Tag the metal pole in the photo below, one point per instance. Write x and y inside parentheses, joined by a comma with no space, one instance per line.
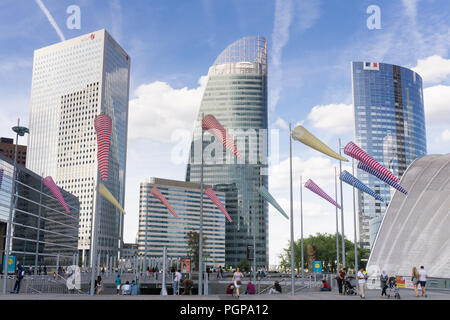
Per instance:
(254,249)
(94,242)
(163,289)
(354,222)
(200,241)
(9,227)
(301,225)
(337,220)
(292,215)
(342,210)
(36,257)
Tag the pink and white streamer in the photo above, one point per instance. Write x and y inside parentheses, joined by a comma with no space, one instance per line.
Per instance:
(317,190)
(212,195)
(51,185)
(158,195)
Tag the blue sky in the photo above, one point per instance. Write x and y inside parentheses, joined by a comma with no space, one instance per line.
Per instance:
(173,43)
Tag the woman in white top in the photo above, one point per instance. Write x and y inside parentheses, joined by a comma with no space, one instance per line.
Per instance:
(237,280)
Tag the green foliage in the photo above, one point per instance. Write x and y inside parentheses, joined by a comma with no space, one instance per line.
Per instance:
(244,265)
(193,239)
(326,252)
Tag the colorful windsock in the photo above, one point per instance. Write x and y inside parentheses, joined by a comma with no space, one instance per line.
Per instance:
(158,195)
(304,136)
(1,177)
(317,190)
(103,125)
(214,127)
(108,196)
(212,195)
(357,153)
(381,176)
(348,178)
(51,185)
(268,197)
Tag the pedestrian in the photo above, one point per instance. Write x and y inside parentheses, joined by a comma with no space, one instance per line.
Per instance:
(263,272)
(276,288)
(250,288)
(176,282)
(237,280)
(362,282)
(118,283)
(219,271)
(415,280)
(423,280)
(134,288)
(45,270)
(383,283)
(20,273)
(100,287)
(187,284)
(325,286)
(126,288)
(39,270)
(340,280)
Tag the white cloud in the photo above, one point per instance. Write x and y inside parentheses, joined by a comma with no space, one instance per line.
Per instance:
(281,123)
(319,169)
(437,104)
(433,69)
(446,135)
(158,110)
(336,118)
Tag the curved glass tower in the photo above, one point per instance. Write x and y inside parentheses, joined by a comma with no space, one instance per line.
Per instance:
(390,126)
(236,94)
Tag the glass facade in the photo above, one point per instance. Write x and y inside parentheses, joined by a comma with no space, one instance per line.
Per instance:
(43,233)
(159,228)
(236,94)
(73,82)
(389,126)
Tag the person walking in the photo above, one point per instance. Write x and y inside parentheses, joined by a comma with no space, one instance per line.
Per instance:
(340,280)
(361,275)
(415,280)
(383,283)
(237,280)
(100,287)
(19,276)
(176,282)
(219,273)
(118,283)
(423,280)
(276,288)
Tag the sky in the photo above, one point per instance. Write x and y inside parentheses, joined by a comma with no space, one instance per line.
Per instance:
(173,43)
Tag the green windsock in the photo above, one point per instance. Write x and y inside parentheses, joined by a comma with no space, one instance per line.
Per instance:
(267,196)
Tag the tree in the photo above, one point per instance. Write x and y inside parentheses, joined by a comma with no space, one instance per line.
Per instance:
(244,265)
(193,239)
(326,252)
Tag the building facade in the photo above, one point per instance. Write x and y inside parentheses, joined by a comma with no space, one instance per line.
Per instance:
(389,126)
(7,148)
(43,233)
(159,228)
(236,94)
(73,82)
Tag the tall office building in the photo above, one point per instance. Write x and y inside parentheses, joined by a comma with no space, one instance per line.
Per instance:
(390,126)
(158,228)
(73,82)
(236,94)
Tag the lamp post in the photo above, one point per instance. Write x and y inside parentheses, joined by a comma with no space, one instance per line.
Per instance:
(337,220)
(20,131)
(200,241)
(301,227)
(354,222)
(342,209)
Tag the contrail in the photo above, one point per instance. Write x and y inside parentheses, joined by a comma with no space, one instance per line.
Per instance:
(50,19)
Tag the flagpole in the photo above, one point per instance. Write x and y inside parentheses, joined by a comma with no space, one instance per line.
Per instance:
(342,210)
(354,223)
(200,241)
(337,220)
(94,240)
(292,214)
(301,224)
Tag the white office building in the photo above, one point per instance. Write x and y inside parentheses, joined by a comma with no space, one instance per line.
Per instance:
(73,82)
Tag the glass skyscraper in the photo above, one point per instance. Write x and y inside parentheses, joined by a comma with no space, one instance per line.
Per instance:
(389,126)
(73,82)
(236,94)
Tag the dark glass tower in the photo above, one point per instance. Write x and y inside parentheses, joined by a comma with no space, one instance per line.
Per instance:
(390,126)
(236,94)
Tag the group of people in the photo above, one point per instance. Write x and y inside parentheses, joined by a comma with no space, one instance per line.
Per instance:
(127,288)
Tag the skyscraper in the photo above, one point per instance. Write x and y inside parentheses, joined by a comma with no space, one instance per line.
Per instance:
(236,94)
(73,82)
(390,126)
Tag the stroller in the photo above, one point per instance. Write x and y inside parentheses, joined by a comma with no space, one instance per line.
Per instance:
(350,286)
(393,288)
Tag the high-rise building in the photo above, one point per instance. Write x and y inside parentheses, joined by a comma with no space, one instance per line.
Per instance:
(73,82)
(42,232)
(7,148)
(158,228)
(390,126)
(236,95)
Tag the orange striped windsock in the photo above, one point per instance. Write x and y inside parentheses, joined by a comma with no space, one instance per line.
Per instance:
(103,125)
(158,195)
(214,127)
(304,136)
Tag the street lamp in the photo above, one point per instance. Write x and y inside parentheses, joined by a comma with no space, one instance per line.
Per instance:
(20,131)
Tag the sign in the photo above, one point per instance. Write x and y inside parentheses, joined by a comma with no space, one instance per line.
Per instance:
(11,264)
(250,253)
(185,264)
(317,266)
